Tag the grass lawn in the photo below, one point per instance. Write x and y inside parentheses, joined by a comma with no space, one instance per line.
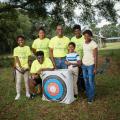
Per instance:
(105,107)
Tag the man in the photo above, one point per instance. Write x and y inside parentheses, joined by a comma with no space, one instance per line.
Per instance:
(38,66)
(58,48)
(78,39)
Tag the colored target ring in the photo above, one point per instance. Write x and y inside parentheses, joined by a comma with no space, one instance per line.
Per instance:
(54,88)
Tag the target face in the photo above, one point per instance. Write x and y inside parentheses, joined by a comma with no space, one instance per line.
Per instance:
(54,88)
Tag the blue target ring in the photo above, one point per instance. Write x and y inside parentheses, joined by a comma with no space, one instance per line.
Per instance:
(61,86)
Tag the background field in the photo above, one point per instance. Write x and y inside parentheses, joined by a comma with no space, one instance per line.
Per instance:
(105,107)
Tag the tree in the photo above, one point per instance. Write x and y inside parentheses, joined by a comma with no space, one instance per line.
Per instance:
(64,9)
(110,30)
(11,27)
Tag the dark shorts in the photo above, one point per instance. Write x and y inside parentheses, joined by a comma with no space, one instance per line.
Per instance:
(38,81)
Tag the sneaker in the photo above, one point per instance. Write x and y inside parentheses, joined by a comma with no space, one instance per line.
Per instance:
(32,96)
(89,102)
(76,96)
(17,97)
(27,95)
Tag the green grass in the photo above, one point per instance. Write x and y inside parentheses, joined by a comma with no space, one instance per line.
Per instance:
(105,107)
(114,45)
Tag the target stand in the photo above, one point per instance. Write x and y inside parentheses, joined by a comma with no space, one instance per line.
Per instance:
(58,86)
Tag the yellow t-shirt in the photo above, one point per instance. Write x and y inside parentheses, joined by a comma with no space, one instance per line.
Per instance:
(42,45)
(59,45)
(22,53)
(36,65)
(88,58)
(79,45)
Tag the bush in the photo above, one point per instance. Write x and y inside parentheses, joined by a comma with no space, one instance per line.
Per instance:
(6,62)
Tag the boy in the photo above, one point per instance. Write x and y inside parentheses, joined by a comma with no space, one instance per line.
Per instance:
(21,56)
(78,39)
(38,66)
(73,63)
(89,67)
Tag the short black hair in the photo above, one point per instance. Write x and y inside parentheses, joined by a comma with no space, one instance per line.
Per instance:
(41,29)
(20,36)
(89,32)
(39,53)
(77,27)
(72,43)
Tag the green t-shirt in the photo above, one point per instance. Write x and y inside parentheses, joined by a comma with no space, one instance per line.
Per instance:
(22,53)
(42,45)
(36,65)
(59,45)
(79,45)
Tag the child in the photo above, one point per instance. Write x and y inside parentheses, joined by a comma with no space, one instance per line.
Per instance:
(89,66)
(21,56)
(39,65)
(73,63)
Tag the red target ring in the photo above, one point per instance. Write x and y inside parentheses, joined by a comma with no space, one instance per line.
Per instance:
(53,89)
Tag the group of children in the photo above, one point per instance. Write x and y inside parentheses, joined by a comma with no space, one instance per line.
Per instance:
(57,53)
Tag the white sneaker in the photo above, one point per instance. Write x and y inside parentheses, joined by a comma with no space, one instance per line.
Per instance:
(28,95)
(17,97)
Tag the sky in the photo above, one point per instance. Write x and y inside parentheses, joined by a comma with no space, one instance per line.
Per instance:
(102,22)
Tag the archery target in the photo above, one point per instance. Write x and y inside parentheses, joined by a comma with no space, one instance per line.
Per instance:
(58,86)
(54,88)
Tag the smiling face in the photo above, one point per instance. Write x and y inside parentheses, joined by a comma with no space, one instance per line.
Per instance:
(87,37)
(41,34)
(59,31)
(20,41)
(77,33)
(71,48)
(40,59)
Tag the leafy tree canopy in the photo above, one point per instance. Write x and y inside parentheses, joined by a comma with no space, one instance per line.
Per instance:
(64,9)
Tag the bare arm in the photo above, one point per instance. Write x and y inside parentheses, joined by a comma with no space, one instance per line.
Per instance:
(78,63)
(69,63)
(16,60)
(52,58)
(34,51)
(95,55)
(29,61)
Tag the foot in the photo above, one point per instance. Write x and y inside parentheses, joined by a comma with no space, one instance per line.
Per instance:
(32,96)
(90,102)
(17,97)
(76,96)
(28,95)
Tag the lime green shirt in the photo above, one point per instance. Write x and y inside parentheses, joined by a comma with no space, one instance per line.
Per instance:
(42,45)
(79,45)
(59,46)
(22,53)
(37,66)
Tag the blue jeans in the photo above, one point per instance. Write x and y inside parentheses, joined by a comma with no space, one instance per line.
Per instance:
(88,76)
(60,63)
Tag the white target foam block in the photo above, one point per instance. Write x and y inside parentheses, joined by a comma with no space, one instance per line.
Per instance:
(58,86)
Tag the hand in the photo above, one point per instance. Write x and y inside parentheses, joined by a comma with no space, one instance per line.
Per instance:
(67,63)
(95,70)
(22,69)
(34,76)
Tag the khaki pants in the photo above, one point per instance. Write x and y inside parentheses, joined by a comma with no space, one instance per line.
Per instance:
(75,78)
(18,81)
